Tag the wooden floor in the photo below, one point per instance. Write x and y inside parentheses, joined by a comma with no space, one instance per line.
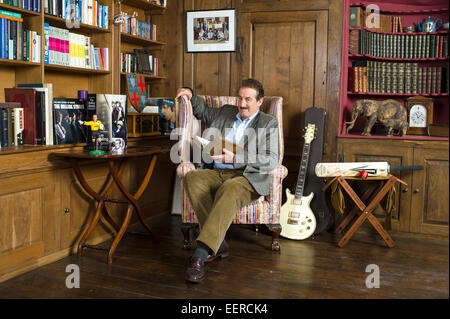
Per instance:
(314,268)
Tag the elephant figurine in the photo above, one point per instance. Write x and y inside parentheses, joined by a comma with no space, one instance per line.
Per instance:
(390,113)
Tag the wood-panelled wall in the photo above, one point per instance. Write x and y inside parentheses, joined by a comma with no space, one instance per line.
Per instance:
(292,46)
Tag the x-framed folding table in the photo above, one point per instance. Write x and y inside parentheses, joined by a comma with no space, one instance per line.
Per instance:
(366,210)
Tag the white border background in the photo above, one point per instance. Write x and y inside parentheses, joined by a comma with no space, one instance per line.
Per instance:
(230,46)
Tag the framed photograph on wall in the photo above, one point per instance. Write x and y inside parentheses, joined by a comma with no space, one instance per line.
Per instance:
(211,31)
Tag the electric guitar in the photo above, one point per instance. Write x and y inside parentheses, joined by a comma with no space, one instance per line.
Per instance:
(296,217)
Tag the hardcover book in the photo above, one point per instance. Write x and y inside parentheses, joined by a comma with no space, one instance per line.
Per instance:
(27,98)
(215,146)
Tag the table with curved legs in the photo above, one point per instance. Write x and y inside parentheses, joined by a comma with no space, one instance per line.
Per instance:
(116,164)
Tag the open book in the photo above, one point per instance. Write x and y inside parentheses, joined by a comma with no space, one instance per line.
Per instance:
(215,146)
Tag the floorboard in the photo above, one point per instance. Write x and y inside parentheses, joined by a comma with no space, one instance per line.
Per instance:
(315,268)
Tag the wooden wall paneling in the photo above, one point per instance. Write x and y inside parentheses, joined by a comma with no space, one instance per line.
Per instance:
(29,223)
(78,207)
(429,195)
(171,26)
(207,73)
(281,5)
(333,80)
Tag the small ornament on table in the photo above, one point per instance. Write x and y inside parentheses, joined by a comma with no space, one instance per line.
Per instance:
(97,135)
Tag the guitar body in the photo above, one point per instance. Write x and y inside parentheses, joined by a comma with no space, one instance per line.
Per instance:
(314,184)
(296,217)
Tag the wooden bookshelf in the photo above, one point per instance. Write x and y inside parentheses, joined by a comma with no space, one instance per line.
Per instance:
(430,58)
(147,76)
(19,10)
(82,28)
(71,69)
(414,210)
(138,40)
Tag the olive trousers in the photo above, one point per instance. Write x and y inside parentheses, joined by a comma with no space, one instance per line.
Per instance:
(216,195)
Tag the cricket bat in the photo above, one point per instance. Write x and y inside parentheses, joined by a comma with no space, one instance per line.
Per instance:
(355,168)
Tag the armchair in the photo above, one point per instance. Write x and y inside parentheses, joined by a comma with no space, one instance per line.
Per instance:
(265,210)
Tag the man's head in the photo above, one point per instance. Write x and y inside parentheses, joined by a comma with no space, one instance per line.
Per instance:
(168,112)
(94,117)
(251,96)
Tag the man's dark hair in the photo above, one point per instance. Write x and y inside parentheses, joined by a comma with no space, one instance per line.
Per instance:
(254,84)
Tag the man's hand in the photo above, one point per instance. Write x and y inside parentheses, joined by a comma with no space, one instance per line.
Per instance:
(226,157)
(183,91)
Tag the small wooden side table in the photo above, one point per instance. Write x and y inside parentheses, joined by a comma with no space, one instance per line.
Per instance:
(366,210)
(116,172)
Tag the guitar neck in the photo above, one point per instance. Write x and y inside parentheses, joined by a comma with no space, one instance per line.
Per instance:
(302,172)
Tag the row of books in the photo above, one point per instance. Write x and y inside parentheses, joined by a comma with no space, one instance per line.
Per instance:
(32,5)
(11,126)
(71,49)
(386,77)
(142,61)
(84,11)
(50,121)
(359,18)
(17,43)
(139,28)
(402,46)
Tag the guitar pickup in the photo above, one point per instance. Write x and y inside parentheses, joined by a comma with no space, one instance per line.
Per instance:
(294,214)
(292,221)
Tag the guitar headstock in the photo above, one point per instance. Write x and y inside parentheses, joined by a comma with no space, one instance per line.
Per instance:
(310,133)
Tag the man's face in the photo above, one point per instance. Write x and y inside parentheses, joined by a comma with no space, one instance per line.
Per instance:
(248,105)
(94,118)
(166,112)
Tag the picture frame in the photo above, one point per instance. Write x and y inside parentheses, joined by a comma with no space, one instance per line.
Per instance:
(211,31)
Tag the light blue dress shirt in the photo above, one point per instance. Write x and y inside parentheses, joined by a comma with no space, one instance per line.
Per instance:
(235,135)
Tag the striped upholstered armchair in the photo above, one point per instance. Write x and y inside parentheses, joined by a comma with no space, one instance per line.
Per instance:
(265,210)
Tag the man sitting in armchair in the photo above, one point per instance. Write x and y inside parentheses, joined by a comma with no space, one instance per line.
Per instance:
(232,180)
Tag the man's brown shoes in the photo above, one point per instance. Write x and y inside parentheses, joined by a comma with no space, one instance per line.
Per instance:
(223,252)
(196,270)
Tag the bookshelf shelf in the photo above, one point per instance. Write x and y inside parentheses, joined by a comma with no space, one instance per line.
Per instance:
(144,4)
(407,137)
(128,38)
(83,28)
(147,76)
(6,62)
(442,32)
(367,56)
(70,69)
(19,10)
(406,9)
(399,94)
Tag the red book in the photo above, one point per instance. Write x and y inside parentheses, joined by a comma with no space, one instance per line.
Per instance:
(27,97)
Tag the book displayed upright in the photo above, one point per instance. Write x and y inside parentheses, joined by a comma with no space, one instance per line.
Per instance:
(111,110)
(67,114)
